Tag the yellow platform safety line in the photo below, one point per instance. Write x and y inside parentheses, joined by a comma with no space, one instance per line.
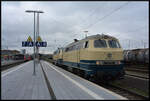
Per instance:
(39,39)
(29,39)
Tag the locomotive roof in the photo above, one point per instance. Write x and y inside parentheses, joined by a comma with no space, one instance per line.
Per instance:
(102,36)
(98,36)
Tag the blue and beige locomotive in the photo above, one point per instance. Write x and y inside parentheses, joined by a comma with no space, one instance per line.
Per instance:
(97,56)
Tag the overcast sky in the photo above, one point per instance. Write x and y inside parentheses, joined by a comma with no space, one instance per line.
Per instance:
(64,21)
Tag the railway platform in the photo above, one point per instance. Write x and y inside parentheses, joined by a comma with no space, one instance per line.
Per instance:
(19,83)
(50,82)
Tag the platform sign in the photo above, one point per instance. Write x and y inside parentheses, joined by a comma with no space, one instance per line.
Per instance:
(41,44)
(44,44)
(39,39)
(38,44)
(27,44)
(30,43)
(29,39)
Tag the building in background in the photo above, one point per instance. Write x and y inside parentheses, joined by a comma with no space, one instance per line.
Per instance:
(8,54)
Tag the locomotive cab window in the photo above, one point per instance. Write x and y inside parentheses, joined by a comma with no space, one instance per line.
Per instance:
(100,43)
(113,44)
(86,44)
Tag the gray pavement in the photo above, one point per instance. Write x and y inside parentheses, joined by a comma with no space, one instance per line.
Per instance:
(69,86)
(19,83)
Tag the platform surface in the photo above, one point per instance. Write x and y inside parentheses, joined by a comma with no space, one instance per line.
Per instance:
(20,83)
(69,86)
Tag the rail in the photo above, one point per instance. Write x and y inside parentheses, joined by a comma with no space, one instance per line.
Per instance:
(138,76)
(127,90)
(7,66)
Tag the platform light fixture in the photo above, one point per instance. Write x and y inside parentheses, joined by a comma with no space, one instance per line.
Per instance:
(34,11)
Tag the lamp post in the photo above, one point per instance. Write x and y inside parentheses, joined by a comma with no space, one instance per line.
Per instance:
(33,11)
(37,34)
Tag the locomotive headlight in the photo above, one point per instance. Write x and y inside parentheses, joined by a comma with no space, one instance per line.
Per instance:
(118,62)
(99,62)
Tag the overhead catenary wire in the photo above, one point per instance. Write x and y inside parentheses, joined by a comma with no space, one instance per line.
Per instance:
(141,28)
(107,15)
(136,41)
(133,43)
(116,9)
(93,13)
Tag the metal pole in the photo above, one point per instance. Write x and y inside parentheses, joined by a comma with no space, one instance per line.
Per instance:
(129,43)
(35,36)
(38,34)
(144,44)
(34,46)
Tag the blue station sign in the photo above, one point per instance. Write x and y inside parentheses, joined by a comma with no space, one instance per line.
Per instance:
(30,43)
(27,44)
(41,44)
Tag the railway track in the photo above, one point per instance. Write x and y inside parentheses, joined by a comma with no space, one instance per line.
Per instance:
(139,73)
(137,70)
(7,66)
(124,89)
(137,76)
(123,92)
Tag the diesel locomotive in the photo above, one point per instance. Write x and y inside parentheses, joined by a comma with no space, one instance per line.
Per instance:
(99,56)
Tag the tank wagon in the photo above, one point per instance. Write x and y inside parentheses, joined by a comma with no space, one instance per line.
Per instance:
(99,56)
(136,56)
(147,56)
